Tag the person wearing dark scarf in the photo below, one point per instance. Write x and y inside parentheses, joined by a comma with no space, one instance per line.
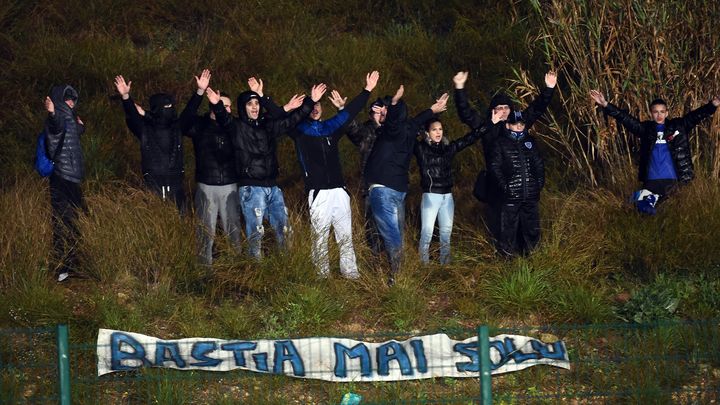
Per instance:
(63,129)
(160,132)
(485,189)
(254,136)
(665,154)
(519,172)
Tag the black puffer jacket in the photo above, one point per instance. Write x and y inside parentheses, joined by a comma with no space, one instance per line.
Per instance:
(363,135)
(161,147)
(69,161)
(475,120)
(517,168)
(677,131)
(389,161)
(435,161)
(255,141)
(214,154)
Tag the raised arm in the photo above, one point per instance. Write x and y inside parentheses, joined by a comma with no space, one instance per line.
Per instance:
(133,119)
(631,123)
(694,117)
(189,113)
(467,114)
(281,126)
(539,105)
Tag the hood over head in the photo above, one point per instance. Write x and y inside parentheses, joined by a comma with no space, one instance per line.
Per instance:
(243,99)
(58,95)
(158,113)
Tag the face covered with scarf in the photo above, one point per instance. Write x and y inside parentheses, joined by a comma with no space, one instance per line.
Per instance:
(162,109)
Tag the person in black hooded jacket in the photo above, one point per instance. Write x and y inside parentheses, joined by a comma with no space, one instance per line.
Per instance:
(519,172)
(500,103)
(254,137)
(63,129)
(665,154)
(160,133)
(216,177)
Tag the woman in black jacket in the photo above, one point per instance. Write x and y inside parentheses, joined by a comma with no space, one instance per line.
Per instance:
(434,156)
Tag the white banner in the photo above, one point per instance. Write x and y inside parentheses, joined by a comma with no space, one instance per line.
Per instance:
(325,358)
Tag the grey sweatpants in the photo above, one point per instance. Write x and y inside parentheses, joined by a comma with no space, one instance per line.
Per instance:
(209,202)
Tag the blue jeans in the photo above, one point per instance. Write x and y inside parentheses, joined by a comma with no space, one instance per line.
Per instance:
(388,209)
(258,203)
(442,207)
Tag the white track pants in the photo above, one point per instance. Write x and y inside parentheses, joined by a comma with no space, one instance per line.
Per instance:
(332,208)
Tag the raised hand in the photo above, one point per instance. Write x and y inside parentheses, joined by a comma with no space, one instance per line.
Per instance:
(371,80)
(294,102)
(598,98)
(459,79)
(550,79)
(496,116)
(440,104)
(203,81)
(49,105)
(213,96)
(317,92)
(256,85)
(122,87)
(377,109)
(398,94)
(337,100)
(716,101)
(139,109)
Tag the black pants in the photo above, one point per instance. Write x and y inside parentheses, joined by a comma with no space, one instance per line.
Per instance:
(169,189)
(662,187)
(519,227)
(66,200)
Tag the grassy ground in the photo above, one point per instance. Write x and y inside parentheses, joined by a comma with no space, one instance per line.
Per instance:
(599,262)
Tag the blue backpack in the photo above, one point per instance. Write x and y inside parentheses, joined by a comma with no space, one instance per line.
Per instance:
(44,165)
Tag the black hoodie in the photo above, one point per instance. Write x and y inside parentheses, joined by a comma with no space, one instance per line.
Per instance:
(160,135)
(255,140)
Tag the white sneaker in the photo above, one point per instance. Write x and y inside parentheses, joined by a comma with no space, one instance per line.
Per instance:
(63,276)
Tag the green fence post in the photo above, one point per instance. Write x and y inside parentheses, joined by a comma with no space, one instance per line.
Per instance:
(63,364)
(485,376)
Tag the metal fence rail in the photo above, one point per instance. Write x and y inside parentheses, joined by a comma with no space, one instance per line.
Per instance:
(669,362)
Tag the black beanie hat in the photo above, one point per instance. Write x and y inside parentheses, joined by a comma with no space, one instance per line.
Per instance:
(501,99)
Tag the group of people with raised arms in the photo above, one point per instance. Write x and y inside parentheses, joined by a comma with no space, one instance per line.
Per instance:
(237,167)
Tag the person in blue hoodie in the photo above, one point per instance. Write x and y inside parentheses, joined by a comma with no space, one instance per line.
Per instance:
(665,154)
